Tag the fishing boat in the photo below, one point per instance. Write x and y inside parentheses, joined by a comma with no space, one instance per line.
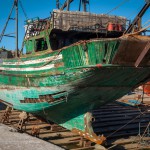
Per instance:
(74,62)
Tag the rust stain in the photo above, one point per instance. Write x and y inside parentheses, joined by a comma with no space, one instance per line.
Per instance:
(60,64)
(89,133)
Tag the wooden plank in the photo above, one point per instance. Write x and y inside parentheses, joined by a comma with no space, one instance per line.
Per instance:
(58,135)
(142,55)
(132,139)
(85,148)
(119,122)
(66,140)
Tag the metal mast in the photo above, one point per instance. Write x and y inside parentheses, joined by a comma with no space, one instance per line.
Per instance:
(57,4)
(138,17)
(84,3)
(16,5)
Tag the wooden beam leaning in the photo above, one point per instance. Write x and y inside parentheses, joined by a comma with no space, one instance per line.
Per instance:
(142,55)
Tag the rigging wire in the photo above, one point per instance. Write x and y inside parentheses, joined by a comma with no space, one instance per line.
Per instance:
(122,3)
(135,11)
(25,14)
(141,113)
(146,23)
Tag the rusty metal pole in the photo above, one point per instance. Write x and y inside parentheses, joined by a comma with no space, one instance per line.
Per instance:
(16,5)
(57,4)
(68,5)
(84,5)
(139,16)
(80,5)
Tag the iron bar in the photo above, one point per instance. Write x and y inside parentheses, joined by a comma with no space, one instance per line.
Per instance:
(135,21)
(68,5)
(25,14)
(57,4)
(16,5)
(12,18)
(84,3)
(80,5)
(9,36)
(65,4)
(2,34)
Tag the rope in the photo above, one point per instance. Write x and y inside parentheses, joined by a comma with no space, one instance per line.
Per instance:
(25,14)
(146,23)
(134,12)
(143,29)
(125,125)
(145,130)
(117,6)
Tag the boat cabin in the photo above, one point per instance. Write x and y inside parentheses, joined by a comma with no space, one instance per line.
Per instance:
(64,28)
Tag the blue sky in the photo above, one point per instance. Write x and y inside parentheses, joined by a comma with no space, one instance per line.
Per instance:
(42,9)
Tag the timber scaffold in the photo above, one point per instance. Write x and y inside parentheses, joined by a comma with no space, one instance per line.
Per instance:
(125,127)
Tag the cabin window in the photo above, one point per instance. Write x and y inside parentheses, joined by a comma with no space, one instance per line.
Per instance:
(41,45)
(60,40)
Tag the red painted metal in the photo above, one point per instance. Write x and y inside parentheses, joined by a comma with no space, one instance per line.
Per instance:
(146,88)
(120,27)
(99,65)
(111,27)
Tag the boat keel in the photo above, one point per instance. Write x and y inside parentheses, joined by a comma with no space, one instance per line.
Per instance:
(88,132)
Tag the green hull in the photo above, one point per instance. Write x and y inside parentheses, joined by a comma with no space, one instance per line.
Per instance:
(63,85)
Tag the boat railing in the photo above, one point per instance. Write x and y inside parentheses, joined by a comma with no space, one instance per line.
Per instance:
(34,26)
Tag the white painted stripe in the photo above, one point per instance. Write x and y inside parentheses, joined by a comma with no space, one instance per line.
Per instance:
(28,69)
(29,62)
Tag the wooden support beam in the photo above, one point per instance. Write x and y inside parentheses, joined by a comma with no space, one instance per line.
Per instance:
(142,55)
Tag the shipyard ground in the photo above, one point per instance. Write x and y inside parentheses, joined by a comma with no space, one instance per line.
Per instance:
(10,139)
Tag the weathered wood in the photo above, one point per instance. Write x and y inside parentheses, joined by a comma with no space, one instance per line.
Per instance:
(142,55)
